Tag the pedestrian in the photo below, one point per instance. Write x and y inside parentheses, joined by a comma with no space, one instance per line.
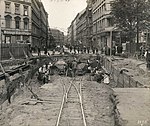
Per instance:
(39,51)
(53,52)
(88,50)
(93,49)
(70,48)
(78,50)
(119,49)
(96,50)
(81,50)
(74,50)
(106,78)
(84,49)
(113,50)
(45,50)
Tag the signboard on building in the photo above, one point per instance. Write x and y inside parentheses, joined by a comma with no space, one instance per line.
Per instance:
(7,32)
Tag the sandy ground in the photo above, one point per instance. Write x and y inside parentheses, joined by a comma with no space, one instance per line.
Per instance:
(26,111)
(134,106)
(99,108)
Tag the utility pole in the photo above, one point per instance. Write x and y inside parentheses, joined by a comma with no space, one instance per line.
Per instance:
(0,40)
(137,27)
(111,42)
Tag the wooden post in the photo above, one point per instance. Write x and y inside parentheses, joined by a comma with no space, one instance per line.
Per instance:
(2,68)
(129,81)
(123,79)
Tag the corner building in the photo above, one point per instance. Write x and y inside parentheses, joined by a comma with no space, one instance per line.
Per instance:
(103,25)
(15,21)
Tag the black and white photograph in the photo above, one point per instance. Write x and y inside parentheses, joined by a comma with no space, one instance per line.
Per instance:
(74,62)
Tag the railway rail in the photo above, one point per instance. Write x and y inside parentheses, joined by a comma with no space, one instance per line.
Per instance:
(71,112)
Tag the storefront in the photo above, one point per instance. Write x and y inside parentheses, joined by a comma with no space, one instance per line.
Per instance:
(14,36)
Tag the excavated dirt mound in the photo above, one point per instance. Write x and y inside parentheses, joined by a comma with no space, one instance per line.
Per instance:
(98,104)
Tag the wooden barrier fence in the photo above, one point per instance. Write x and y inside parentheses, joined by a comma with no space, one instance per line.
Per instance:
(13,50)
(122,80)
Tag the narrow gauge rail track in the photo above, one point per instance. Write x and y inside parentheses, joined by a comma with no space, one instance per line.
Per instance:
(71,111)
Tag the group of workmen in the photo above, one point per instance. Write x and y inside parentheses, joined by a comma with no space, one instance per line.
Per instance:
(93,67)
(44,73)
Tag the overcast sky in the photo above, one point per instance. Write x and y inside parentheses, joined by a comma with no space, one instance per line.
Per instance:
(61,13)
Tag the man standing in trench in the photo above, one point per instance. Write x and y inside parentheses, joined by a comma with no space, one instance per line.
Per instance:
(74,67)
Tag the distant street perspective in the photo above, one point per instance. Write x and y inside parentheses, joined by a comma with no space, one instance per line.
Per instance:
(95,71)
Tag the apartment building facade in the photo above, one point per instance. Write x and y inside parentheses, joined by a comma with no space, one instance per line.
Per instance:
(58,36)
(104,31)
(15,21)
(39,24)
(72,32)
(69,35)
(81,28)
(89,26)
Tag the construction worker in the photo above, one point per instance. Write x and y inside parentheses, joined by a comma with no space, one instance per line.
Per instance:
(74,67)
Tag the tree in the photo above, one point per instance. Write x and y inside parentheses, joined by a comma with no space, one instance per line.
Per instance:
(131,16)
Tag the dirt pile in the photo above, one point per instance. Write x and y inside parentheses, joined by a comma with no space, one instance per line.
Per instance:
(99,102)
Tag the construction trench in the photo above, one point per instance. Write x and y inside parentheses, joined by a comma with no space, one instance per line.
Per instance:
(36,104)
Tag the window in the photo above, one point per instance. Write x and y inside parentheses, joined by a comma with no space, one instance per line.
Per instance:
(18,37)
(110,22)
(7,6)
(7,39)
(17,22)
(26,39)
(25,10)
(26,23)
(17,9)
(8,21)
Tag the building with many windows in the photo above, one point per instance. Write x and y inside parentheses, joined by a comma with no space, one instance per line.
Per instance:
(58,36)
(69,35)
(104,31)
(15,21)
(80,30)
(39,24)
(81,27)
(89,26)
